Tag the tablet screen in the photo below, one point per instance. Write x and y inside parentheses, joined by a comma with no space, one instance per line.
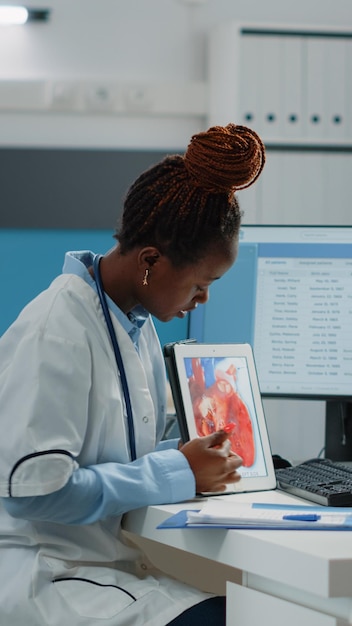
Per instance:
(218,387)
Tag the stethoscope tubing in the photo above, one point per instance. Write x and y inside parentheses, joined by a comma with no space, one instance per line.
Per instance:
(118,357)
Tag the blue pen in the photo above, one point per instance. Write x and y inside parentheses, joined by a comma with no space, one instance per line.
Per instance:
(306,517)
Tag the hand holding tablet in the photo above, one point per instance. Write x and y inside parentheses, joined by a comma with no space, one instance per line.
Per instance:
(215,390)
(212,463)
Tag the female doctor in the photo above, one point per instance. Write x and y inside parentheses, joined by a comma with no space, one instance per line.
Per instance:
(83,402)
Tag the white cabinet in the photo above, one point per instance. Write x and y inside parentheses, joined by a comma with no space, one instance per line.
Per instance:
(248,607)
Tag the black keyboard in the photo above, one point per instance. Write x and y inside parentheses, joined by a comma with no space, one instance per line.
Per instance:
(318,480)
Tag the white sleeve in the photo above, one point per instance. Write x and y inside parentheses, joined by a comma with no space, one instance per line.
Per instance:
(44,391)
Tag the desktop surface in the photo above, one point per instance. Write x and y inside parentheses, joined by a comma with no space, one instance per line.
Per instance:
(318,562)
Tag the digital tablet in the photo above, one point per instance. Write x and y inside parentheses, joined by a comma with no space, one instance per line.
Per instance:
(216,385)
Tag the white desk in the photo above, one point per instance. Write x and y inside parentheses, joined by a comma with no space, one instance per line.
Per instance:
(280,578)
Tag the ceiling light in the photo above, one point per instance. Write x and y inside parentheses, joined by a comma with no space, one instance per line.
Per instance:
(21,15)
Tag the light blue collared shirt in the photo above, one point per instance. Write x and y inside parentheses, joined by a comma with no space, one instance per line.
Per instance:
(78,263)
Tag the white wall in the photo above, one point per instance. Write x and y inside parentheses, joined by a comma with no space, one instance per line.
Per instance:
(138,44)
(160,45)
(151,58)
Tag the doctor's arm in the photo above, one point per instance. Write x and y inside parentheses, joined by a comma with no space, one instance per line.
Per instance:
(112,489)
(99,491)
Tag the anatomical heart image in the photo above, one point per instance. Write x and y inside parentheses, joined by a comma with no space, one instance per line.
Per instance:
(217,401)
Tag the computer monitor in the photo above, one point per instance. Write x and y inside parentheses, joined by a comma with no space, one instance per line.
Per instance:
(289,295)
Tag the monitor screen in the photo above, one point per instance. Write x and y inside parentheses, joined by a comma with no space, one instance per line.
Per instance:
(289,295)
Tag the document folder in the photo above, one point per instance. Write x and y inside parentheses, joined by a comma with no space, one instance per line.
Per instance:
(261,516)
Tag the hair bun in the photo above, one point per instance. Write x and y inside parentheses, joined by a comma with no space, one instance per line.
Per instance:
(225,158)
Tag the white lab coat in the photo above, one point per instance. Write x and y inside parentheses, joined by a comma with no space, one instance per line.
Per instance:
(98,578)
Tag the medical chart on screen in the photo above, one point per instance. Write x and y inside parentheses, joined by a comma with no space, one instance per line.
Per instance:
(303,325)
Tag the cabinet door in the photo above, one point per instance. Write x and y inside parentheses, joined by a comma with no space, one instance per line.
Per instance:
(247,607)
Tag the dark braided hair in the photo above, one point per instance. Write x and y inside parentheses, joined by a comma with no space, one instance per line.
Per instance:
(186,205)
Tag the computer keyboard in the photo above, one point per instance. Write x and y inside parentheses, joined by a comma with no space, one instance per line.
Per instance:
(319,480)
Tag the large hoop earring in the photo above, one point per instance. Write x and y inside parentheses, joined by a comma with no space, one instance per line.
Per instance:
(145,279)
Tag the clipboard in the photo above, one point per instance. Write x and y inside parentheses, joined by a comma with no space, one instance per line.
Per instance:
(260,516)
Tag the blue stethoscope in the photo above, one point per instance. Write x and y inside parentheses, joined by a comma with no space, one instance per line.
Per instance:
(118,356)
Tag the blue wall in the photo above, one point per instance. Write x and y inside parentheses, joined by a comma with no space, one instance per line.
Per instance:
(31,259)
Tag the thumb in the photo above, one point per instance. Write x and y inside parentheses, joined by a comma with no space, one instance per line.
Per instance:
(216,439)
